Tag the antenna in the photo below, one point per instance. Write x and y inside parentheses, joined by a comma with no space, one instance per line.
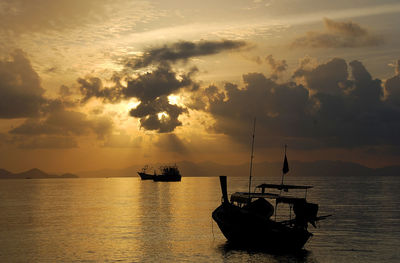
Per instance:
(252,155)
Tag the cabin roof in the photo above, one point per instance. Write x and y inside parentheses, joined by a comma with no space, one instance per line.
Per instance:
(284,186)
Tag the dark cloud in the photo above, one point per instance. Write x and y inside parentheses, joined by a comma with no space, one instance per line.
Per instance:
(365,89)
(149,111)
(277,66)
(343,111)
(278,109)
(181,51)
(64,123)
(163,81)
(152,90)
(93,87)
(339,35)
(49,123)
(392,87)
(21,94)
(326,78)
(198,100)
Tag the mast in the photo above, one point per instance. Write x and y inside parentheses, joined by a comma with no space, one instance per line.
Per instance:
(252,156)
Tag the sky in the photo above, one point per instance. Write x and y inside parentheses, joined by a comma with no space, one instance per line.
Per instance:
(95,84)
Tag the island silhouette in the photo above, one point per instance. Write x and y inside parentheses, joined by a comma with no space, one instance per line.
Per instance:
(34,173)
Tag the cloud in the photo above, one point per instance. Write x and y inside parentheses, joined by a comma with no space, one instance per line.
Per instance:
(162,81)
(49,123)
(339,35)
(325,78)
(278,108)
(64,123)
(93,87)
(277,67)
(148,86)
(158,115)
(22,16)
(333,109)
(182,51)
(21,94)
(151,89)
(392,87)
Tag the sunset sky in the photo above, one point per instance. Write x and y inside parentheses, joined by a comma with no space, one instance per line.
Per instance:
(95,84)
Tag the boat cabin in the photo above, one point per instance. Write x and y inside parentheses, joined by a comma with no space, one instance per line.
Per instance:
(303,211)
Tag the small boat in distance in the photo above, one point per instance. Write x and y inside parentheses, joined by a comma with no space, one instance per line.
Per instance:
(168,174)
(144,175)
(247,219)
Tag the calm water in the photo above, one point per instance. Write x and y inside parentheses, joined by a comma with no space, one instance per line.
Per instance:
(128,220)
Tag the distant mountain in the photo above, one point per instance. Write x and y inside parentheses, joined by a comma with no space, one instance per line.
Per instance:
(130,171)
(4,172)
(389,170)
(68,175)
(317,168)
(32,174)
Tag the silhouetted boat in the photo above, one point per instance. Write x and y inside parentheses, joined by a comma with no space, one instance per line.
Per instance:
(145,176)
(168,174)
(247,218)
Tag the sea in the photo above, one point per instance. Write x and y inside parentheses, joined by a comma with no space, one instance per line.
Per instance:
(129,220)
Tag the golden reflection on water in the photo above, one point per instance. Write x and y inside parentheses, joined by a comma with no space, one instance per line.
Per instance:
(128,220)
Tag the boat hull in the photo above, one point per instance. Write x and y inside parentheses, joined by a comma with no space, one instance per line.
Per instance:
(245,228)
(167,178)
(145,176)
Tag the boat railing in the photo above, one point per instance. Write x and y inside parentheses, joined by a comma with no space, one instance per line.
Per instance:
(245,197)
(284,187)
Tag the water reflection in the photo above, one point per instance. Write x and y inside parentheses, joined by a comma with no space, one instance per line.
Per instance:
(128,220)
(231,252)
(154,219)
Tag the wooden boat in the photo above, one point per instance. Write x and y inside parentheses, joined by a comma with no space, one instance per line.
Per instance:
(247,218)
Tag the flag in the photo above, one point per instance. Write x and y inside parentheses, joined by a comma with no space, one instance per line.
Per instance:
(285,168)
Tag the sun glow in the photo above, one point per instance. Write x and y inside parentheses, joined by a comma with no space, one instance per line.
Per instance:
(174,99)
(162,115)
(130,105)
